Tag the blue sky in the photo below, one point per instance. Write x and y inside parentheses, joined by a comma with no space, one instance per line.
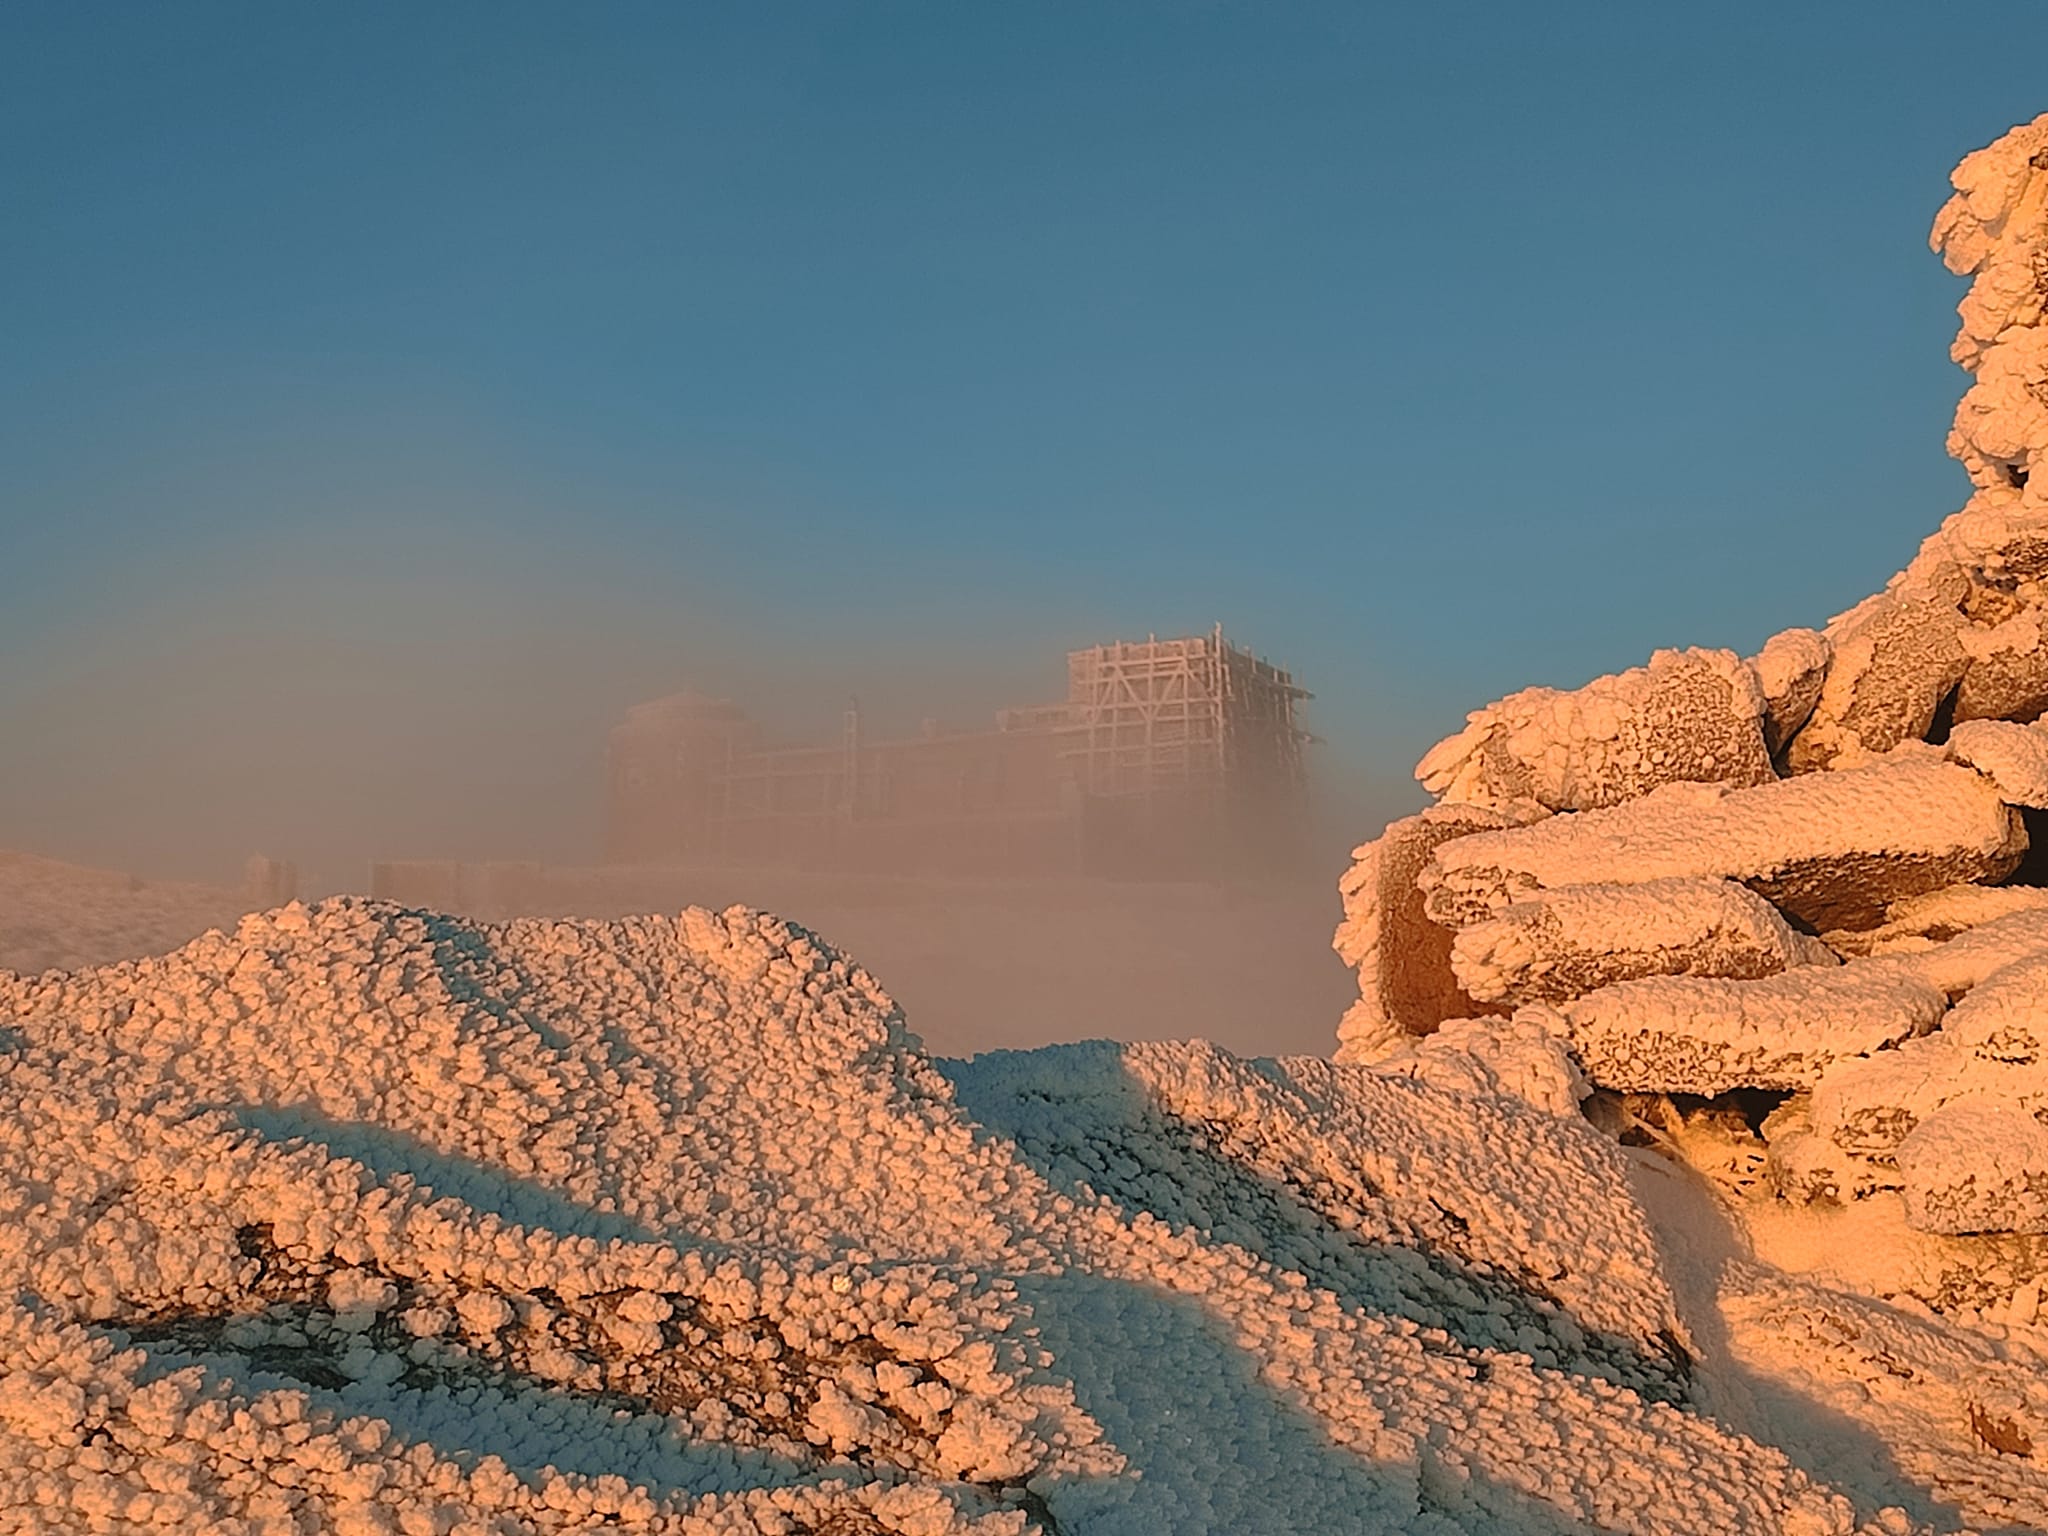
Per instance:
(390,393)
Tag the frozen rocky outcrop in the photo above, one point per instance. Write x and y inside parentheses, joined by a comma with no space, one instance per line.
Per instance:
(1559,944)
(1995,232)
(1688,715)
(1786,878)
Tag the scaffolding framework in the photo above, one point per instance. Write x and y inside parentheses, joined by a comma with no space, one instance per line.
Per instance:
(1165,754)
(1196,718)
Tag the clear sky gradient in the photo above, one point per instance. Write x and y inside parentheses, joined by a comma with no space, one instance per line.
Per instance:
(388,394)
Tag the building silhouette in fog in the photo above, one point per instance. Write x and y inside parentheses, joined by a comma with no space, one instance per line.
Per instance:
(1167,757)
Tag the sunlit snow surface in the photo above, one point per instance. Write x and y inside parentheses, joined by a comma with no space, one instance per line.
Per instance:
(370,1219)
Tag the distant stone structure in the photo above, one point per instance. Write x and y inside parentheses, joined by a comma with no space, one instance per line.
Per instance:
(1167,757)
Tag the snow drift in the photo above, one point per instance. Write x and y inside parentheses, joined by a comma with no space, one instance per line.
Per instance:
(364,1216)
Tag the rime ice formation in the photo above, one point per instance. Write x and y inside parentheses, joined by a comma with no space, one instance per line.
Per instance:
(1403,959)
(1893,661)
(1512,1058)
(1790,670)
(2014,757)
(1829,850)
(1562,943)
(1688,715)
(1708,1035)
(1976,1167)
(1722,833)
(362,1219)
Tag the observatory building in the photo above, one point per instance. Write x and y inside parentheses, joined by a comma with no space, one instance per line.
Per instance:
(1174,758)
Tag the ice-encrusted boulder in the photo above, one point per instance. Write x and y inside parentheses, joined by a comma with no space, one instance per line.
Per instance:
(2005,1017)
(1708,1035)
(1933,917)
(1559,944)
(1868,1104)
(1829,850)
(1791,670)
(1976,1167)
(2006,674)
(1403,958)
(1893,663)
(1508,1058)
(1693,715)
(1980,952)
(2014,757)
(1805,1165)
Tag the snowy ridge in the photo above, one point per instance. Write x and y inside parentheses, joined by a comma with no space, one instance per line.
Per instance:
(408,1224)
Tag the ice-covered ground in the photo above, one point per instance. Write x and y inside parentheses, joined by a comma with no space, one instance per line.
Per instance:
(362,1218)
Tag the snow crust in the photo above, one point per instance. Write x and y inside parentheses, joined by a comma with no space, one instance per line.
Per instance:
(367,1219)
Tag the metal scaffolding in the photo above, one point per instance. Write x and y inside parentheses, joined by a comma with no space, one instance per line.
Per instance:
(1164,754)
(1197,719)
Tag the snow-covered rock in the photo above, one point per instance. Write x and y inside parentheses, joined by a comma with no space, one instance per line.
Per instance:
(1979,952)
(1829,850)
(1920,922)
(2014,757)
(1708,1035)
(1560,944)
(1688,715)
(1511,1058)
(1403,959)
(1790,671)
(1976,1167)
(1893,662)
